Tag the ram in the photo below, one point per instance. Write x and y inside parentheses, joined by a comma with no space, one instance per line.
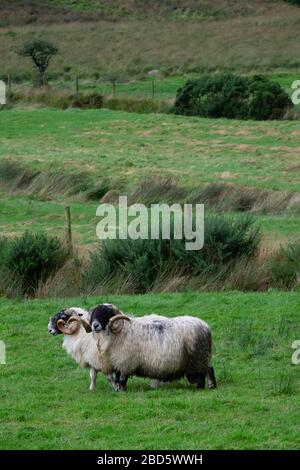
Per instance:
(78,344)
(153,346)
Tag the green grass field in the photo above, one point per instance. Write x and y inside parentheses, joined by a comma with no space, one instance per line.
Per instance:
(45,402)
(127,148)
(20,213)
(51,158)
(165,87)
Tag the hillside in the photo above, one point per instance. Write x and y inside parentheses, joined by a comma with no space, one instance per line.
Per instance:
(52,11)
(248,35)
(252,165)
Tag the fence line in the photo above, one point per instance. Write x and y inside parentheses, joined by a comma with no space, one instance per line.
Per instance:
(138,88)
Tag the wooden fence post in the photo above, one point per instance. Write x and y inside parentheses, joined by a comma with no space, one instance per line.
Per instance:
(69,229)
(153,88)
(8,83)
(77,85)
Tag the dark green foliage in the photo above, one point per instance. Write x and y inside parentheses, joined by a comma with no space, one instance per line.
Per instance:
(285,268)
(232,96)
(40,52)
(32,258)
(4,248)
(226,240)
(293,2)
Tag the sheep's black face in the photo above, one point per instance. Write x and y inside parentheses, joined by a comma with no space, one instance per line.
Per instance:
(101,315)
(52,325)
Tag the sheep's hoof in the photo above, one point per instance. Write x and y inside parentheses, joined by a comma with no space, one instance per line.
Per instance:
(212,387)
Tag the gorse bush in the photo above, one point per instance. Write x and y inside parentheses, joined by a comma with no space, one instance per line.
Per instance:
(143,261)
(285,267)
(226,239)
(232,96)
(32,258)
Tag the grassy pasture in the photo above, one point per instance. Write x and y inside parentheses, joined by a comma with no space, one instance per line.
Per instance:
(20,213)
(165,87)
(45,402)
(128,147)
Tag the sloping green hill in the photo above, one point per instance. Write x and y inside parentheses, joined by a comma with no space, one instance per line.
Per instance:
(32,11)
(174,8)
(128,37)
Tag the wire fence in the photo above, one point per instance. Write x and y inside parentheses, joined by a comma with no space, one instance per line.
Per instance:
(150,87)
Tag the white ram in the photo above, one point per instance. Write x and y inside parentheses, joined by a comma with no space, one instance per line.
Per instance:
(78,344)
(153,346)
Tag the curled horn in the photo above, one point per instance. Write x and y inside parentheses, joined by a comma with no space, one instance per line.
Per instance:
(114,319)
(66,330)
(82,322)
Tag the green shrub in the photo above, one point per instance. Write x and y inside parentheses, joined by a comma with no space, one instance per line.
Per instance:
(226,239)
(4,248)
(32,258)
(143,261)
(293,2)
(232,96)
(285,268)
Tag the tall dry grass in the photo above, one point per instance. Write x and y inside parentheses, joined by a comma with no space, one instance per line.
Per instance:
(220,197)
(35,11)
(261,41)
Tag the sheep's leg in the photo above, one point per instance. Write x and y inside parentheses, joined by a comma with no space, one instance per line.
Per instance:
(112,381)
(93,377)
(211,378)
(201,381)
(121,382)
